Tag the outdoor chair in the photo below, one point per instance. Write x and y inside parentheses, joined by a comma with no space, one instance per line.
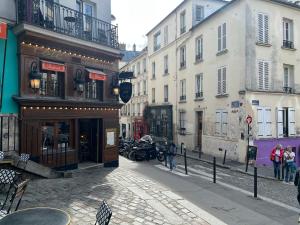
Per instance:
(23,159)
(15,192)
(7,177)
(103,214)
(1,155)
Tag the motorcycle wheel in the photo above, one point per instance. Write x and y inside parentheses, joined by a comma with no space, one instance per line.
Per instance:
(131,155)
(160,157)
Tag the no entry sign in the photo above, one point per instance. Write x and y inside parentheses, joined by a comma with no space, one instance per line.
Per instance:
(249,119)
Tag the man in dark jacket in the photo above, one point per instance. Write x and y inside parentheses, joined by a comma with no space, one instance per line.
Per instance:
(297,183)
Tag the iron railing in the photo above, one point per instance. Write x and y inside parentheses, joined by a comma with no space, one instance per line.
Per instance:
(288,44)
(58,18)
(182,97)
(288,90)
(199,94)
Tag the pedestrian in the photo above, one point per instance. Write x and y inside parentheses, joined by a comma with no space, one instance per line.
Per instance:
(171,154)
(277,156)
(289,158)
(297,184)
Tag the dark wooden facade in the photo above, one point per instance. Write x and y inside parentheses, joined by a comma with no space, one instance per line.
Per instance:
(67,107)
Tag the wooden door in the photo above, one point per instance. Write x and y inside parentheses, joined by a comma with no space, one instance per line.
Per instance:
(199,132)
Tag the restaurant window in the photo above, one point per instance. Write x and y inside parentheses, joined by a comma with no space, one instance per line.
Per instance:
(51,83)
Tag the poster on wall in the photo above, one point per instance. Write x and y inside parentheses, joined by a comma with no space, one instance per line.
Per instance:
(110,137)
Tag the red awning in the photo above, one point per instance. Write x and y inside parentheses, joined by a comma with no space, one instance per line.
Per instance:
(3,30)
(96,74)
(52,66)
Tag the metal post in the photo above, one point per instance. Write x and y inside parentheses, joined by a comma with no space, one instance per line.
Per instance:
(65,156)
(165,156)
(247,154)
(181,147)
(224,159)
(255,182)
(214,169)
(185,164)
(200,152)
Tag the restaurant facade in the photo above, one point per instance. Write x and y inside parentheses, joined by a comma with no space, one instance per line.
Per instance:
(68,64)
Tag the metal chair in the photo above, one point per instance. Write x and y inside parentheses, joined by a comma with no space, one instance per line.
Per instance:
(103,214)
(23,159)
(1,155)
(16,191)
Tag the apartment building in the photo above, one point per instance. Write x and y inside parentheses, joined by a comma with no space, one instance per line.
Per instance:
(212,63)
(132,123)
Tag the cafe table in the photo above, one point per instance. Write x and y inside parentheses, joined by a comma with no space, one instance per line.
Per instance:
(37,216)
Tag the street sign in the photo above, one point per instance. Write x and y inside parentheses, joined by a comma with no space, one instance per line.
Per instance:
(249,120)
(3,30)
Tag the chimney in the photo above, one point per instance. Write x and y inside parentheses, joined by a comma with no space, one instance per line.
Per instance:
(134,48)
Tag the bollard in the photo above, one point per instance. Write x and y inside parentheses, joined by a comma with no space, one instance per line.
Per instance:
(214,170)
(224,159)
(165,156)
(65,156)
(181,147)
(255,182)
(185,164)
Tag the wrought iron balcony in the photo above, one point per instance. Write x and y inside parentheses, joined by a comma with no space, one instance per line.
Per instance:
(166,99)
(198,57)
(199,95)
(58,18)
(288,44)
(183,98)
(288,90)
(182,64)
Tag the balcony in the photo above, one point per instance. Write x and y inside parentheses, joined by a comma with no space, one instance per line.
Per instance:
(199,95)
(166,100)
(288,44)
(198,57)
(182,98)
(166,71)
(182,65)
(52,16)
(288,90)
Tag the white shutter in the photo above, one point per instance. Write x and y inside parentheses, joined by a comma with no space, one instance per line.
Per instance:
(219,81)
(224,36)
(268,122)
(266,76)
(292,122)
(261,75)
(218,122)
(260,122)
(224,81)
(219,38)
(266,29)
(279,122)
(224,123)
(260,32)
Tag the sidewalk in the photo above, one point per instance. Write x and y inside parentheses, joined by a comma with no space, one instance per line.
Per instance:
(134,198)
(262,171)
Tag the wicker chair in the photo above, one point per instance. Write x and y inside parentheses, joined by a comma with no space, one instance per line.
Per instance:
(103,214)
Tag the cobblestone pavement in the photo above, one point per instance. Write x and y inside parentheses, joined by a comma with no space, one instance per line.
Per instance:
(134,198)
(273,189)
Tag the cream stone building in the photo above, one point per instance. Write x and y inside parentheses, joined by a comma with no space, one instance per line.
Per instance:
(131,120)
(209,72)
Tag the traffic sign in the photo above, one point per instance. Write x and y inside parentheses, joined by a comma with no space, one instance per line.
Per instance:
(249,119)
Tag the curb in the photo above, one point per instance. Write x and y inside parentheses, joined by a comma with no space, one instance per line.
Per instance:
(228,167)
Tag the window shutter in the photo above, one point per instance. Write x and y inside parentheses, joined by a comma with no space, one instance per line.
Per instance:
(268,122)
(260,122)
(224,36)
(218,122)
(224,123)
(224,81)
(219,81)
(219,39)
(279,122)
(261,75)
(292,122)
(266,29)
(260,31)
(266,76)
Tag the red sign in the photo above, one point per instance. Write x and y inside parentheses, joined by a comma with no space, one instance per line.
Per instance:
(96,76)
(53,66)
(3,30)
(249,119)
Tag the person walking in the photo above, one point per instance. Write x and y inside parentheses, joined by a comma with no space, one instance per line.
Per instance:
(276,156)
(297,184)
(289,158)
(171,154)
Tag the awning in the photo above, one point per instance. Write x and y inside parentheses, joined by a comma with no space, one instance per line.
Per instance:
(96,74)
(53,66)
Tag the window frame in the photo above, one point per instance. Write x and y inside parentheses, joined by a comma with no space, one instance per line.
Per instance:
(199,48)
(157,41)
(182,57)
(182,22)
(199,86)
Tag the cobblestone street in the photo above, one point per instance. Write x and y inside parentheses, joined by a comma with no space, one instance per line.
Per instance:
(134,198)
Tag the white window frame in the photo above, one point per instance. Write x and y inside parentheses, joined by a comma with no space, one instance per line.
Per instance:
(222,81)
(263,21)
(182,89)
(153,95)
(199,85)
(138,68)
(144,65)
(182,22)
(145,87)
(182,119)
(182,56)
(222,32)
(289,121)
(153,70)
(199,13)
(166,93)
(166,35)
(221,122)
(264,122)
(263,75)
(199,48)
(288,29)
(156,41)
(166,64)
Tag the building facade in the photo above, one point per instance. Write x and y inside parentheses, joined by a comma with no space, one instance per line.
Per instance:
(214,63)
(132,122)
(68,64)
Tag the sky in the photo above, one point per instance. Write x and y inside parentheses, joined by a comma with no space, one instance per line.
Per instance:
(135,18)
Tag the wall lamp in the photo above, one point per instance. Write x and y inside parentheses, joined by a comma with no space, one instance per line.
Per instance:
(34,77)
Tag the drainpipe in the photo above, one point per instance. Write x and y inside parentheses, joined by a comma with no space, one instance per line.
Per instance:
(176,82)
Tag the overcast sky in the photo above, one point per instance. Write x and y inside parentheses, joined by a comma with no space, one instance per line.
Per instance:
(136,17)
